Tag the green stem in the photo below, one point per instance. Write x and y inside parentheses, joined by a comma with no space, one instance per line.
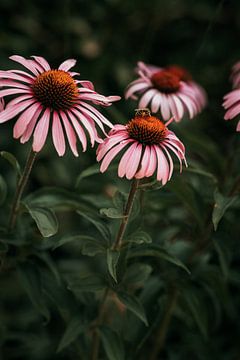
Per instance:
(116,246)
(20,188)
(163,329)
(126,214)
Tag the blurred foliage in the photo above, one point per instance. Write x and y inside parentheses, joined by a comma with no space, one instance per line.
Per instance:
(58,263)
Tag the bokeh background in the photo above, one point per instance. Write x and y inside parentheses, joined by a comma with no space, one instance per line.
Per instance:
(107,38)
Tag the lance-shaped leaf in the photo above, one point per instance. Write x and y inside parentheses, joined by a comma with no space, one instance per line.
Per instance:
(133,304)
(45,220)
(222,203)
(73,330)
(112,344)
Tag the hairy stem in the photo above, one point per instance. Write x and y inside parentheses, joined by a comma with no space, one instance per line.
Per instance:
(117,245)
(20,188)
(126,214)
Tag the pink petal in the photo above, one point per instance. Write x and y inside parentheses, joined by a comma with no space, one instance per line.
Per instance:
(165,108)
(27,63)
(41,61)
(13,76)
(123,165)
(20,99)
(72,139)
(156,101)
(152,162)
(12,92)
(79,130)
(58,135)
(110,155)
(135,88)
(12,111)
(144,163)
(133,163)
(170,161)
(28,132)
(24,119)
(87,84)
(41,131)
(146,98)
(98,114)
(87,124)
(163,167)
(68,64)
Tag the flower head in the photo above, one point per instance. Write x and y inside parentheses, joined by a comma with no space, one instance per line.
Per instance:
(146,142)
(43,95)
(170,90)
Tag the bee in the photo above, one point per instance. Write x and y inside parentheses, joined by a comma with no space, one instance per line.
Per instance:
(142,112)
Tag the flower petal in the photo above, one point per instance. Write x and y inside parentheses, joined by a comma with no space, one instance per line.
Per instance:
(41,131)
(58,135)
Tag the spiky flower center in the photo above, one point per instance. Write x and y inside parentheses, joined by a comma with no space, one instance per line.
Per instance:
(147,129)
(55,89)
(179,71)
(165,81)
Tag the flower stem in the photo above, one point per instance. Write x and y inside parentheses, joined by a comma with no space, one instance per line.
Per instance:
(116,246)
(163,329)
(126,214)
(20,188)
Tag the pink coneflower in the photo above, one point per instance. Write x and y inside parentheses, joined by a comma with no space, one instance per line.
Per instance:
(232,105)
(146,142)
(169,90)
(43,95)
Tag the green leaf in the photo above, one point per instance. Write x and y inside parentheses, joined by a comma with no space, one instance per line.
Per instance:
(133,304)
(89,282)
(112,260)
(88,245)
(137,273)
(111,213)
(73,330)
(54,198)
(3,190)
(45,220)
(96,221)
(30,279)
(112,344)
(154,250)
(139,237)
(12,160)
(222,203)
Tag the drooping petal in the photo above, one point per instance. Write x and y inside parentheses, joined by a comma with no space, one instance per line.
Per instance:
(58,135)
(146,98)
(111,155)
(12,111)
(124,162)
(71,136)
(144,163)
(29,130)
(134,161)
(79,130)
(41,131)
(163,167)
(23,120)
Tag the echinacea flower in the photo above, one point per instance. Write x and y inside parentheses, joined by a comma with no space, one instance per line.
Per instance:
(43,95)
(169,90)
(232,105)
(147,143)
